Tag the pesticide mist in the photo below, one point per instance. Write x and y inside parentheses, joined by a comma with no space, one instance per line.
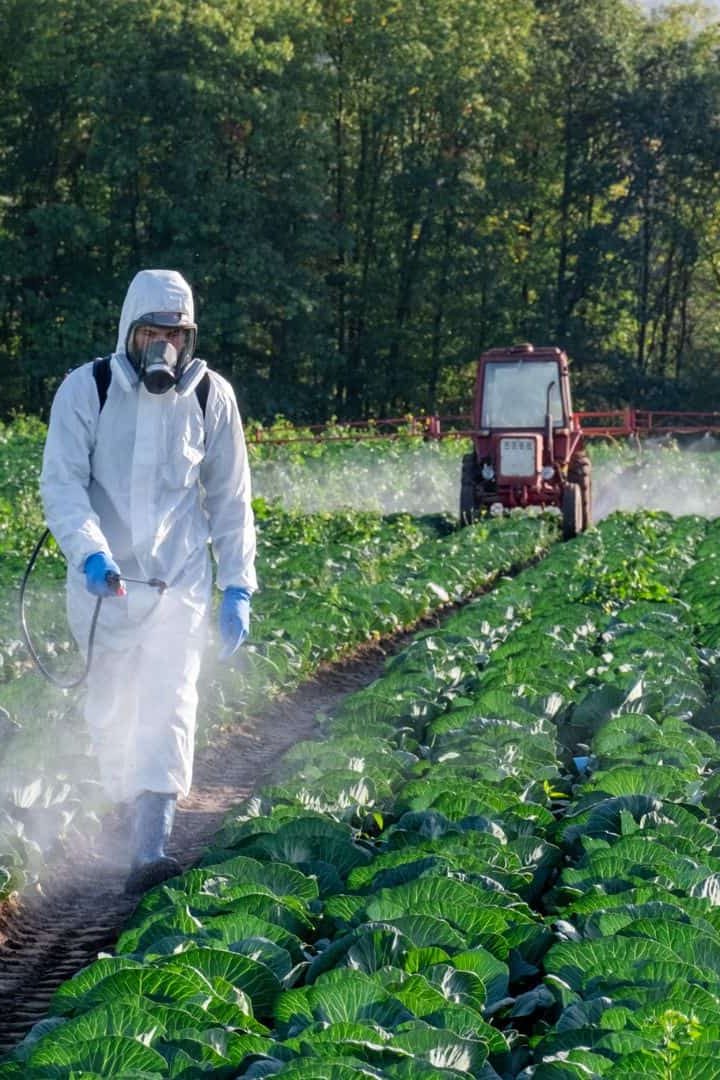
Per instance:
(657,475)
(425,478)
(395,478)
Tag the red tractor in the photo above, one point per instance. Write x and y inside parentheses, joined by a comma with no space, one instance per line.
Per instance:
(528,448)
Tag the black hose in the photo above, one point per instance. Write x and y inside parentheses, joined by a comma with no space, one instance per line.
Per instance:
(49,675)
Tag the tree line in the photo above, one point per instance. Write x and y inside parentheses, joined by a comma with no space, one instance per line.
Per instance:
(365,194)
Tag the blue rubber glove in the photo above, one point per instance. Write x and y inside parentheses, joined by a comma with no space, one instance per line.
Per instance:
(234,619)
(97,567)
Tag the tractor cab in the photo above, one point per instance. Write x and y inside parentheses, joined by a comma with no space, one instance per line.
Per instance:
(527,444)
(518,395)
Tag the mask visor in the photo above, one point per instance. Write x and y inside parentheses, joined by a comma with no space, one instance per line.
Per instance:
(178,331)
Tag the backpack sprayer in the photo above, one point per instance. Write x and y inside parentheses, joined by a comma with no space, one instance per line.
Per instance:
(114,581)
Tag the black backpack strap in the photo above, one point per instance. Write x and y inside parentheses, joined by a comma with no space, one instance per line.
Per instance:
(102,374)
(202,390)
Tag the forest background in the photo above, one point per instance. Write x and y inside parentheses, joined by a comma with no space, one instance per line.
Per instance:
(365,194)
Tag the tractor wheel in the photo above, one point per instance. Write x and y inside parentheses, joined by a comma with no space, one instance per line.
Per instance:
(580,473)
(572,511)
(468,511)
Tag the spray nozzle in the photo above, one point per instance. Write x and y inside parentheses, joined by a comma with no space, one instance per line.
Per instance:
(156,583)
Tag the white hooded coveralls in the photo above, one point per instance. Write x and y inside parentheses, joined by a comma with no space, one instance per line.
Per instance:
(148,481)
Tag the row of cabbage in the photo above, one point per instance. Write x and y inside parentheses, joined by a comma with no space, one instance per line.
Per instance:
(330,582)
(327,596)
(499,862)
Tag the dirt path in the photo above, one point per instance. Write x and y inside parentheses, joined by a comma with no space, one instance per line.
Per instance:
(79,908)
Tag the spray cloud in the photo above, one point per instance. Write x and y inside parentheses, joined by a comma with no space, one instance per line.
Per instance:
(417,479)
(425,479)
(659,475)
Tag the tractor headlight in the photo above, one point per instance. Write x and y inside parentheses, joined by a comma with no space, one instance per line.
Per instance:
(548,472)
(487,471)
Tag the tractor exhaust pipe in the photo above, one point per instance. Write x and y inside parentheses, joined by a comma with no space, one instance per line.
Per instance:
(548,425)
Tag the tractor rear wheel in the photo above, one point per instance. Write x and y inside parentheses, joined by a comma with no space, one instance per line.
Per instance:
(580,473)
(468,510)
(572,511)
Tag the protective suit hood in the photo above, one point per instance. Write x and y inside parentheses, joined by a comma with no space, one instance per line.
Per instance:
(154,290)
(150,292)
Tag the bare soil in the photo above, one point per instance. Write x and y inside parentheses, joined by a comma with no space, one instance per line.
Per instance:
(78,908)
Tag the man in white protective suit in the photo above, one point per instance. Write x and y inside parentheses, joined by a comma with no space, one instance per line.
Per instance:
(144,464)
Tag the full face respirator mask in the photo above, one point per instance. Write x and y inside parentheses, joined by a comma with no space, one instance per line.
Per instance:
(160,349)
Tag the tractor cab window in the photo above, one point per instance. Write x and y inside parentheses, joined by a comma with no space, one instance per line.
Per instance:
(516,395)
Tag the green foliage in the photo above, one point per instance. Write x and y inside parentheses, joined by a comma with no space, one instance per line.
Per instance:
(364,196)
(21,519)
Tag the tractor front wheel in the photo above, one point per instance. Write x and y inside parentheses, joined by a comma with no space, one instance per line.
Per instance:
(572,511)
(468,510)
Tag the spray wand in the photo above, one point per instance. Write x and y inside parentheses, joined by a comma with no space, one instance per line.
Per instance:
(115,581)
